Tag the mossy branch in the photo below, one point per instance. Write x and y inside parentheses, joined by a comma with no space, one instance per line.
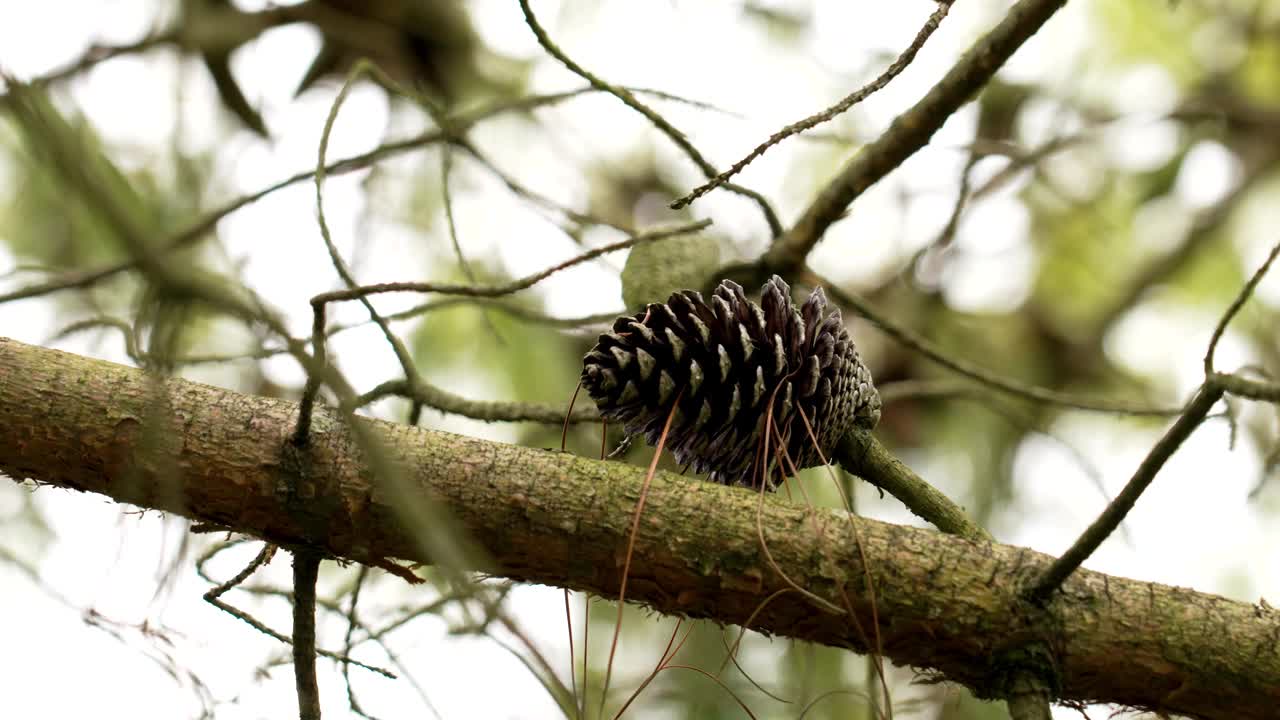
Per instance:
(944,602)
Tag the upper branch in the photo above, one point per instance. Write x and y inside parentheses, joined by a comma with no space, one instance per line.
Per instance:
(910,131)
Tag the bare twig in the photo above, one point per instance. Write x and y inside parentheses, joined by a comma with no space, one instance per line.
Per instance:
(126,330)
(1215,385)
(446,167)
(1244,387)
(1243,296)
(79,279)
(629,99)
(348,645)
(97,54)
(513,286)
(1029,392)
(904,59)
(306,566)
(509,308)
(910,131)
(1115,512)
(213,597)
(438,398)
(340,266)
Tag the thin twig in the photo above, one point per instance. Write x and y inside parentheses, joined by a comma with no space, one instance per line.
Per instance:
(79,279)
(348,644)
(904,59)
(1243,296)
(513,286)
(306,404)
(97,54)
(213,597)
(129,333)
(910,131)
(661,123)
(1244,387)
(513,309)
(446,168)
(437,398)
(84,278)
(1215,385)
(340,266)
(1115,512)
(1030,392)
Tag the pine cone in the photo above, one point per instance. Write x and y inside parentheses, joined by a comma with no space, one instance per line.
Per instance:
(727,361)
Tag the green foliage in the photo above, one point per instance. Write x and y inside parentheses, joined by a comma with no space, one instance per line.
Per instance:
(1146,31)
(74,153)
(1260,73)
(1086,252)
(45,223)
(657,269)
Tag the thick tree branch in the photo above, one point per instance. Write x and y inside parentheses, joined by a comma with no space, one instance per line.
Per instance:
(944,602)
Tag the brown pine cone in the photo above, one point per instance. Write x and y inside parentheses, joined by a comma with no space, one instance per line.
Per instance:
(728,361)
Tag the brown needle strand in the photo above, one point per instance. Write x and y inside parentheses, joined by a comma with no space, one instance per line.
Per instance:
(564,431)
(631,546)
(573,676)
(846,501)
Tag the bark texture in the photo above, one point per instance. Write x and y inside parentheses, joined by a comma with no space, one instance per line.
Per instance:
(945,603)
